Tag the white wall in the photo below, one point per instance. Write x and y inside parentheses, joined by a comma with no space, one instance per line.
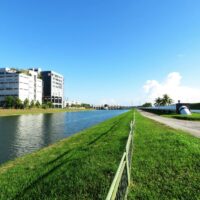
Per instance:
(23,87)
(20,85)
(170,107)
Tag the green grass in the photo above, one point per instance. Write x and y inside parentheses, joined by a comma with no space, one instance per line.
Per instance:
(13,112)
(79,167)
(193,117)
(166,163)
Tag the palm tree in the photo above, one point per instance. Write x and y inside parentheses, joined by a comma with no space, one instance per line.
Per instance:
(158,101)
(166,100)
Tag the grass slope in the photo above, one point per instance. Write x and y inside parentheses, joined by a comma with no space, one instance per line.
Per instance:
(193,117)
(10,112)
(79,167)
(166,163)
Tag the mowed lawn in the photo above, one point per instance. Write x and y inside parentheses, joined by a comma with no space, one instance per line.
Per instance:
(80,167)
(166,163)
(192,117)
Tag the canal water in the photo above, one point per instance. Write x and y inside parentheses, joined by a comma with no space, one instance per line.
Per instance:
(23,134)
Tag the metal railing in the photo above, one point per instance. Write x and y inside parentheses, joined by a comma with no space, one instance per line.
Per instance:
(119,187)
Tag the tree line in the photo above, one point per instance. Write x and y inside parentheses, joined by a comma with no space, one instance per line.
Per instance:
(15,102)
(85,105)
(160,101)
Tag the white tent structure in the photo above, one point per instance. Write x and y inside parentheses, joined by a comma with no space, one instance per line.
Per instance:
(183,110)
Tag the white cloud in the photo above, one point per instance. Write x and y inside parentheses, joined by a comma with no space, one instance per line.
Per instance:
(173,87)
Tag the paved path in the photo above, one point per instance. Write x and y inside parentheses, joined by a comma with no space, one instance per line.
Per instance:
(185,125)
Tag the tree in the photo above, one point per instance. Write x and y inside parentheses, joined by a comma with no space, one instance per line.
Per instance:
(158,101)
(32,104)
(18,103)
(147,104)
(86,105)
(9,102)
(37,104)
(44,106)
(49,104)
(75,105)
(26,103)
(67,105)
(165,100)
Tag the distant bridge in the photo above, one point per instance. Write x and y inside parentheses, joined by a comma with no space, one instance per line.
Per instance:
(102,107)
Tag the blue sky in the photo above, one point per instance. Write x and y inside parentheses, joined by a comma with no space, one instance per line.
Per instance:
(106,49)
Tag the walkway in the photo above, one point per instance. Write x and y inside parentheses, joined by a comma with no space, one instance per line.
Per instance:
(185,125)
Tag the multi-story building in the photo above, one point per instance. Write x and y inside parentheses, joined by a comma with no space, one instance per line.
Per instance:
(24,84)
(53,88)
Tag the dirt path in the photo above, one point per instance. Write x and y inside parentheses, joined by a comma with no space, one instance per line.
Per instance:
(188,126)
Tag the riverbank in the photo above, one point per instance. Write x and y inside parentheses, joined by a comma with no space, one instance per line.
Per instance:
(165,162)
(13,112)
(79,167)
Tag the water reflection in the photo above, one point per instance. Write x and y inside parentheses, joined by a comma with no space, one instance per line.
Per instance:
(29,134)
(23,134)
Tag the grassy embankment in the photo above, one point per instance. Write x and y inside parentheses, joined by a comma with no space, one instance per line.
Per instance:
(165,164)
(193,117)
(79,167)
(10,112)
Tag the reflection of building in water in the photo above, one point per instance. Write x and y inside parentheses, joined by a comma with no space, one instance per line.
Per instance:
(8,127)
(29,134)
(36,131)
(53,127)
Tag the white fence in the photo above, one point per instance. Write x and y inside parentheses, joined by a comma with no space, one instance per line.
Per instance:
(167,108)
(170,108)
(121,181)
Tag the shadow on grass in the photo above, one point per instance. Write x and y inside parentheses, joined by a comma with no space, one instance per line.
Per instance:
(105,133)
(68,157)
(59,157)
(24,191)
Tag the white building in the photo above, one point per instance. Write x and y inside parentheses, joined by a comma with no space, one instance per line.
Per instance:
(53,88)
(20,83)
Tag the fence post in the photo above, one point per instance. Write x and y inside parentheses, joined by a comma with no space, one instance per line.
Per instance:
(114,185)
(117,189)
